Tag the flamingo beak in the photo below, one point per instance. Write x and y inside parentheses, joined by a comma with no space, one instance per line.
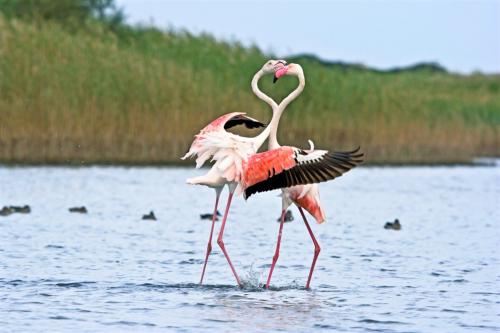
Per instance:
(279,73)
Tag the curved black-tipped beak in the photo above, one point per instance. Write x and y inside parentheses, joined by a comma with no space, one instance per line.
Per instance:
(275,79)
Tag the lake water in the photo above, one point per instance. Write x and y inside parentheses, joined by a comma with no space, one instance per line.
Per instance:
(110,271)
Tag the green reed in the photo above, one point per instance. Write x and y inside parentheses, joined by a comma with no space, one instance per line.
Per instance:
(138,96)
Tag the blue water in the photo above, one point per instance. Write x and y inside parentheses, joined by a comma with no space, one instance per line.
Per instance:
(110,271)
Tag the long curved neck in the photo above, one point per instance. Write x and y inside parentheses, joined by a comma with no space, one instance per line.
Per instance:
(261,138)
(256,90)
(273,140)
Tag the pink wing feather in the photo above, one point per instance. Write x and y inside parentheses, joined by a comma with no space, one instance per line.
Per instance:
(289,166)
(212,138)
(262,166)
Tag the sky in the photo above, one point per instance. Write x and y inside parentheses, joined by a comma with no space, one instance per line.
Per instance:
(463,36)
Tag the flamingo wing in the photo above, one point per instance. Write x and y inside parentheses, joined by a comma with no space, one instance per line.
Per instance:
(289,166)
(242,119)
(213,137)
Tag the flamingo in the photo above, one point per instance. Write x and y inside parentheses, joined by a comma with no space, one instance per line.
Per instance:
(238,165)
(297,172)
(229,150)
(303,196)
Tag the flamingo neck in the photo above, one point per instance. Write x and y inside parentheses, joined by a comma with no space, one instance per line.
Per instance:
(273,126)
(261,138)
(256,90)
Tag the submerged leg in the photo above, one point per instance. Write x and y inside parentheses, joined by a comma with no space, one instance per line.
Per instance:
(277,251)
(317,249)
(209,246)
(221,234)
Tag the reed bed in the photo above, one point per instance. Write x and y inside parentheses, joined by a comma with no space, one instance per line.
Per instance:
(92,96)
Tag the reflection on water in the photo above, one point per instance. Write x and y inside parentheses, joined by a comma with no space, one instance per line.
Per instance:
(111,270)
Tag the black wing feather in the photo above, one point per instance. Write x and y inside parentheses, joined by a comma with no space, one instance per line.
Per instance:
(243,120)
(330,166)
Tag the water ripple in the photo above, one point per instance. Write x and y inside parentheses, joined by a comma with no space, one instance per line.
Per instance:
(111,271)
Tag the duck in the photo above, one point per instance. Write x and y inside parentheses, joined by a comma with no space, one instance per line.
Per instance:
(288,216)
(393,225)
(5,211)
(21,209)
(150,216)
(209,216)
(81,210)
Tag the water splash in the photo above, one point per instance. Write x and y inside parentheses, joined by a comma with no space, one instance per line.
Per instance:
(252,280)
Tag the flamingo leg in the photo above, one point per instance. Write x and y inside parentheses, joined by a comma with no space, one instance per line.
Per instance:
(277,251)
(317,249)
(221,235)
(209,246)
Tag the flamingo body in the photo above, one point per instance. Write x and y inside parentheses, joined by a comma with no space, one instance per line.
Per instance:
(229,151)
(299,183)
(214,141)
(307,197)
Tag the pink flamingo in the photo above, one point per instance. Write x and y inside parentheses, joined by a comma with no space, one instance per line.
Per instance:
(236,162)
(229,150)
(297,173)
(303,196)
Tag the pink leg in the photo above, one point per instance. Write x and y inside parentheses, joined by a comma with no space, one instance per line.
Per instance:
(209,246)
(221,234)
(317,249)
(277,251)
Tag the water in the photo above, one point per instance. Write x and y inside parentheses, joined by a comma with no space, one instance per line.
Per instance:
(111,271)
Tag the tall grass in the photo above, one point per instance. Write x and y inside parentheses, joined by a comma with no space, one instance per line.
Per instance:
(91,96)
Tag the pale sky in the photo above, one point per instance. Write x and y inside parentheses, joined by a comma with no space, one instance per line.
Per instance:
(463,36)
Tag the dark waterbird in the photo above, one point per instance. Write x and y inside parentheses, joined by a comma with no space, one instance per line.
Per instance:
(210,216)
(21,209)
(288,217)
(150,216)
(81,210)
(393,225)
(7,210)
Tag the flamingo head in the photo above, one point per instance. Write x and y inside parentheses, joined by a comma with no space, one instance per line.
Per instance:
(272,66)
(290,69)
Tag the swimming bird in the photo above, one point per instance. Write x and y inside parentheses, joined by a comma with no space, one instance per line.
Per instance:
(210,216)
(393,225)
(306,194)
(81,210)
(288,216)
(6,211)
(21,209)
(150,216)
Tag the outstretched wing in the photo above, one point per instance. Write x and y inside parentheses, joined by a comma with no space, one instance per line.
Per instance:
(213,137)
(289,166)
